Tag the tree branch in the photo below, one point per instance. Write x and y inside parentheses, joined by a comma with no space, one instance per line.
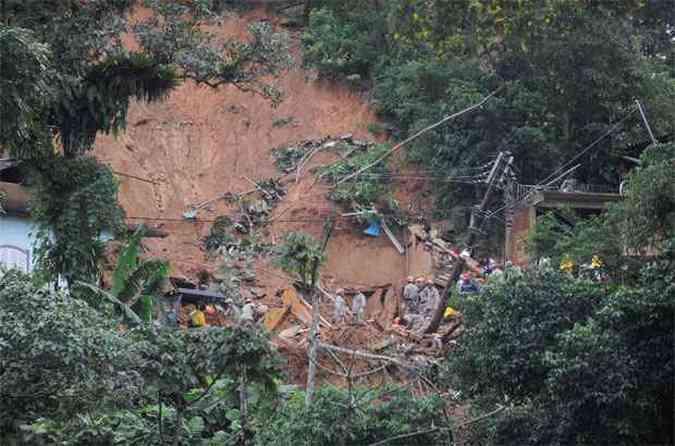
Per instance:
(402,436)
(418,134)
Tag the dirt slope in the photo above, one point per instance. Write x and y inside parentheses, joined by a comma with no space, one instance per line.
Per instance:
(201,142)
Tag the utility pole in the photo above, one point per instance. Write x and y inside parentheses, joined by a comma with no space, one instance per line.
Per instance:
(314,329)
(492,180)
(644,119)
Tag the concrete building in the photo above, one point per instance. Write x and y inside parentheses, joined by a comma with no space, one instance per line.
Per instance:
(524,214)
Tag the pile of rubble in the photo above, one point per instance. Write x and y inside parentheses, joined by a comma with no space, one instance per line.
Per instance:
(437,254)
(294,156)
(376,350)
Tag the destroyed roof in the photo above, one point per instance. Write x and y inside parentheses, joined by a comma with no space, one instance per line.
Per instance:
(189,295)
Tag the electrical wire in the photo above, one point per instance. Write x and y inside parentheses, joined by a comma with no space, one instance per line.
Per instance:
(586,149)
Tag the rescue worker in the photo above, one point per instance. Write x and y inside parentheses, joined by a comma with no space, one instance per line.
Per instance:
(340,312)
(358,307)
(433,299)
(197,317)
(410,296)
(423,286)
(247,312)
(466,284)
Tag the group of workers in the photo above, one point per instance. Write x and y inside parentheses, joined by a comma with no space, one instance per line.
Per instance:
(246,314)
(340,310)
(420,300)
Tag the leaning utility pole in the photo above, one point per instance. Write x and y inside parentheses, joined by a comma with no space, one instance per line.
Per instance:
(492,180)
(314,329)
(644,119)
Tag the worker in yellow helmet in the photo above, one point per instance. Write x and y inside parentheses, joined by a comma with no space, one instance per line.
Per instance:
(197,316)
(566,264)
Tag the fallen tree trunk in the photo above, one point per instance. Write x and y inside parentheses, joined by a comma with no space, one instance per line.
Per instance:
(365,355)
(442,304)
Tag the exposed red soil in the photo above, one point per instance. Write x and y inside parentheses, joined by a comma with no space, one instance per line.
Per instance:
(201,142)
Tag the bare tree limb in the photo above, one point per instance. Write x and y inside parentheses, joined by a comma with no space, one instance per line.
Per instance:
(365,355)
(482,417)
(402,436)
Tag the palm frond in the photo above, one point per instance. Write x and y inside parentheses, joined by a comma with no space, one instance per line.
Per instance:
(128,312)
(127,260)
(147,272)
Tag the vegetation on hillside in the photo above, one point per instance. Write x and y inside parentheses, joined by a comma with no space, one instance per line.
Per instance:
(566,358)
(571,72)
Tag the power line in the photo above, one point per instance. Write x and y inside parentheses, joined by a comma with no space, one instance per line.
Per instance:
(586,149)
(590,146)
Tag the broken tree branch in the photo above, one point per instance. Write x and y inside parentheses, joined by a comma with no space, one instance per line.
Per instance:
(365,355)
(402,436)
(418,134)
(482,417)
(440,309)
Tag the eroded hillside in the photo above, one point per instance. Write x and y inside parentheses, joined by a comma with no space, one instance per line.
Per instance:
(201,142)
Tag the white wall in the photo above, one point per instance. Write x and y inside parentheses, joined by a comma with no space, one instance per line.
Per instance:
(15,232)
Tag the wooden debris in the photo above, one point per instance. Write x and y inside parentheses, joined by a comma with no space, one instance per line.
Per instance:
(275,316)
(300,308)
(393,239)
(290,332)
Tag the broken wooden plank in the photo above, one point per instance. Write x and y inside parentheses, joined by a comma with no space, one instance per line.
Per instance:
(300,311)
(393,239)
(300,308)
(275,316)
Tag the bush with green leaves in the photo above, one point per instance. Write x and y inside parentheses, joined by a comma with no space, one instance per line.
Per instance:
(576,362)
(366,189)
(58,356)
(135,283)
(298,254)
(219,234)
(341,46)
(357,417)
(73,203)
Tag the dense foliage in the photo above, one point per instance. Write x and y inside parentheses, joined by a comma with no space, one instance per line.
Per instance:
(299,254)
(642,223)
(356,417)
(66,74)
(572,70)
(578,362)
(70,376)
(74,205)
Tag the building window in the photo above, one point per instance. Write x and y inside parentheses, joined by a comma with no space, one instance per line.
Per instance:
(15,257)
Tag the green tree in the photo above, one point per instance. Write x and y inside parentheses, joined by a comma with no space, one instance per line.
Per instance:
(135,281)
(299,254)
(579,362)
(58,356)
(74,203)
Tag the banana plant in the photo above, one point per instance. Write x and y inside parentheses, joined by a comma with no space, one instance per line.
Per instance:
(135,281)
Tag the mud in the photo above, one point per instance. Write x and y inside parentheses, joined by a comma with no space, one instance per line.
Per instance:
(201,142)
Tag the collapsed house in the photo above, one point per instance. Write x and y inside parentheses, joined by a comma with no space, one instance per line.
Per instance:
(531,202)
